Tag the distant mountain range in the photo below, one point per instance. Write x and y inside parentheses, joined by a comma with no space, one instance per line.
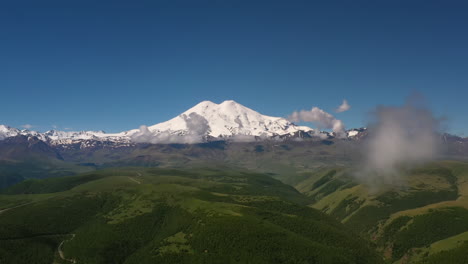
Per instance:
(205,122)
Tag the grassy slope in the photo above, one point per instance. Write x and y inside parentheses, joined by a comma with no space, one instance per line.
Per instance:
(147,215)
(395,217)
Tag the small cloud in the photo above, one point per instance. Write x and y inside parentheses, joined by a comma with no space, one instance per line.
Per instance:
(67,128)
(54,126)
(27,126)
(343,107)
(320,117)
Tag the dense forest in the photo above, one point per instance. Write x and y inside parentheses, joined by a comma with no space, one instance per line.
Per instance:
(138,215)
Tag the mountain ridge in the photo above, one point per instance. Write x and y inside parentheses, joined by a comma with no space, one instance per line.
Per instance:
(207,120)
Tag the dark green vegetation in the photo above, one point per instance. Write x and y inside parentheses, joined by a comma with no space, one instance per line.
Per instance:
(40,249)
(456,255)
(50,185)
(150,215)
(428,228)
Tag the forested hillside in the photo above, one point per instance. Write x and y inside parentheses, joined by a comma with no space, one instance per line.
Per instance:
(147,215)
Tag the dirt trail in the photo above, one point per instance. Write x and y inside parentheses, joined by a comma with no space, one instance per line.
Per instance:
(7,209)
(137,181)
(59,249)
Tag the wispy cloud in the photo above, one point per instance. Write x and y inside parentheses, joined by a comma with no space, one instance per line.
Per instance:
(343,107)
(27,126)
(197,129)
(399,137)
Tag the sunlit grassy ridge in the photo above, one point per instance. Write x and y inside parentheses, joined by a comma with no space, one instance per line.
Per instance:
(420,217)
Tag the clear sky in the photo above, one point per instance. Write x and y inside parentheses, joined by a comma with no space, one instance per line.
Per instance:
(115,66)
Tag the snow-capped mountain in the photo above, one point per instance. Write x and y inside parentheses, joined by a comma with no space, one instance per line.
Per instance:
(205,121)
(54,137)
(228,119)
(6,132)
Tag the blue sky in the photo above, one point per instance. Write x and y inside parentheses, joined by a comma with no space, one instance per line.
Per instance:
(114,66)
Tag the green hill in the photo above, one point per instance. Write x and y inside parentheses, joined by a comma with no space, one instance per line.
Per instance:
(418,220)
(149,215)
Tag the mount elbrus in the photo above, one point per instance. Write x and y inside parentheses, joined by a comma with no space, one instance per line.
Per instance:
(205,122)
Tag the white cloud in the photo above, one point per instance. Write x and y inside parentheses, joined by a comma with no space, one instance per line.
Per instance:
(399,137)
(197,129)
(343,107)
(27,126)
(321,118)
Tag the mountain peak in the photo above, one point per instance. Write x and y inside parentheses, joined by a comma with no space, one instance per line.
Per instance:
(227,119)
(229,102)
(5,128)
(205,103)
(231,105)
